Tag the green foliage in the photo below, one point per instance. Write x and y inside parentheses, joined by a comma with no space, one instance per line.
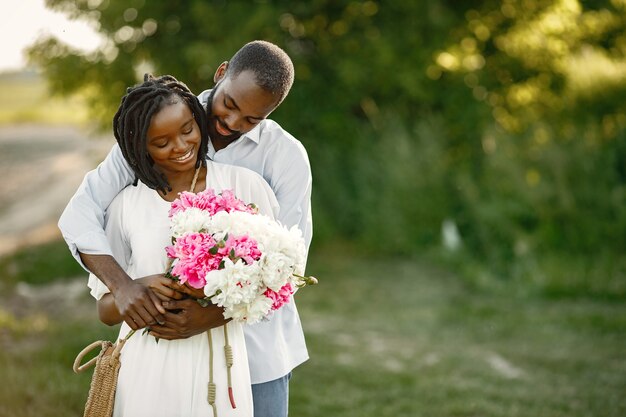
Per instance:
(550,177)
(505,118)
(38,264)
(539,60)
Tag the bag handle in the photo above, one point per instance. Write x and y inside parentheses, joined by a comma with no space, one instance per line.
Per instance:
(104,344)
(77,367)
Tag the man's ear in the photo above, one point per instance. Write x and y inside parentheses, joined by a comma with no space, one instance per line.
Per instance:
(220,72)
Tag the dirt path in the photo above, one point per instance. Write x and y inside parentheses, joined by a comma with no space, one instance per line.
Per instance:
(40,168)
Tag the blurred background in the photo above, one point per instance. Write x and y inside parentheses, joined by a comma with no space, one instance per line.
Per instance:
(469,165)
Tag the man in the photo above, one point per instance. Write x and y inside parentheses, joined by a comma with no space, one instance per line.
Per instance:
(247,89)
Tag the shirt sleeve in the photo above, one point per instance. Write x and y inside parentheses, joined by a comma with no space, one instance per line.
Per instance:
(263,197)
(83,220)
(117,239)
(293,191)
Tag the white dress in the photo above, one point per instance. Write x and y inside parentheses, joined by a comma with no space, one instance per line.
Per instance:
(170,378)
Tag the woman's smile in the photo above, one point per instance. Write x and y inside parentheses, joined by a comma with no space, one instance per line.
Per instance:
(188,155)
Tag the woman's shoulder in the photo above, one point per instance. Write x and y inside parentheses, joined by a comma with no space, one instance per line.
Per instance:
(130,196)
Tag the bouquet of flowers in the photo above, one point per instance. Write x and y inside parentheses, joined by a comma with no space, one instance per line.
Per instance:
(244,261)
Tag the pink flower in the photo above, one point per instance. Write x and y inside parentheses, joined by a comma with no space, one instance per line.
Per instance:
(243,247)
(209,201)
(171,252)
(194,258)
(281,297)
(184,201)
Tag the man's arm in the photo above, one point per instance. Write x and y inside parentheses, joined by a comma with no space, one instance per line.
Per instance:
(83,220)
(136,304)
(162,287)
(293,188)
(82,225)
(186,318)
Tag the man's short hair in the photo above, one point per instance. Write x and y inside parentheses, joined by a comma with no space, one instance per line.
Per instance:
(271,66)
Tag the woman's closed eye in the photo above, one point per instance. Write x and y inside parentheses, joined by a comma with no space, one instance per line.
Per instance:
(187,128)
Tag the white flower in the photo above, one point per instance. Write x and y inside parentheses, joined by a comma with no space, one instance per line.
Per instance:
(277,269)
(191,220)
(236,283)
(253,312)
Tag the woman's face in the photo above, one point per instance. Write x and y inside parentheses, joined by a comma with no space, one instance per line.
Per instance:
(173,138)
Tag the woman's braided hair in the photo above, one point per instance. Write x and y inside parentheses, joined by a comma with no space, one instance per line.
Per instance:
(132,121)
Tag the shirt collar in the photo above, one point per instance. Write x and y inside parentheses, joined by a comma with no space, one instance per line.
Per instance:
(255,134)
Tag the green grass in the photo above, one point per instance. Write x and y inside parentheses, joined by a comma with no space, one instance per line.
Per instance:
(398,338)
(25,99)
(38,264)
(387,337)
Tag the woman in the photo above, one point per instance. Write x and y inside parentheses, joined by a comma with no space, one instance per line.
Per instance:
(160,128)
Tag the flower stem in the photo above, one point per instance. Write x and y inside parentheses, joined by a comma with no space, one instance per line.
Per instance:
(305,280)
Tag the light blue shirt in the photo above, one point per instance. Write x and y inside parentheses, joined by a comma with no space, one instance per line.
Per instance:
(268,150)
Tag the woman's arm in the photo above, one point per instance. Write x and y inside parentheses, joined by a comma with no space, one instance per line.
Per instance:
(107,312)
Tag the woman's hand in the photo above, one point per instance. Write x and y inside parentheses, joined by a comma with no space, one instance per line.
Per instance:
(186,289)
(163,287)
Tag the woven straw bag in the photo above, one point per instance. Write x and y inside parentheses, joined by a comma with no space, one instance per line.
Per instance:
(104,380)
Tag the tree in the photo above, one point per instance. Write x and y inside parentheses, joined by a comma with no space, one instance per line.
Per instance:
(505,117)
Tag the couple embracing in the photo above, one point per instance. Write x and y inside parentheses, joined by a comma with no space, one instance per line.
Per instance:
(169,142)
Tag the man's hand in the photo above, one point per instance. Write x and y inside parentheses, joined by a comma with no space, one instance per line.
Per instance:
(186,318)
(137,304)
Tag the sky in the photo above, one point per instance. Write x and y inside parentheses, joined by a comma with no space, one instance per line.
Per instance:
(24,21)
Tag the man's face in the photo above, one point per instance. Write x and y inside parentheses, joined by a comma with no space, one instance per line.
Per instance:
(238,104)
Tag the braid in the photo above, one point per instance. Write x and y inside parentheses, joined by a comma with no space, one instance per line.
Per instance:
(132,121)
